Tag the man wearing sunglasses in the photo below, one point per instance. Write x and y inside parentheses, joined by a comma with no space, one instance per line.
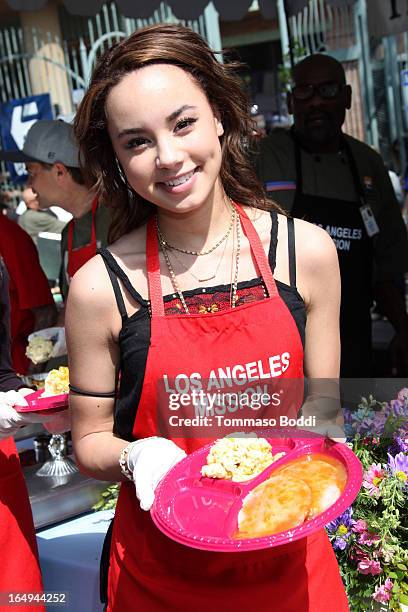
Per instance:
(319,174)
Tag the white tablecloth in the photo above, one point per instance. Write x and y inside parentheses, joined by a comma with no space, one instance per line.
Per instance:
(69,556)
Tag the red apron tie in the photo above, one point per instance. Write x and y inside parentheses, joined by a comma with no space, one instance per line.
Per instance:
(20,571)
(78,257)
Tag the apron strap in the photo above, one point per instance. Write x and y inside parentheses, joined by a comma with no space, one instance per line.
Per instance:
(153,261)
(153,269)
(93,230)
(258,251)
(71,225)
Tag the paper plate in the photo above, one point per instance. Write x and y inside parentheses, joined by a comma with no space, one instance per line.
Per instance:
(203,512)
(37,403)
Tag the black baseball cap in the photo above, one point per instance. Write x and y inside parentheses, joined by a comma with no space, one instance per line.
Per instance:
(48,141)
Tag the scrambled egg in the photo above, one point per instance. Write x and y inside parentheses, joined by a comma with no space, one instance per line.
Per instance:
(56,382)
(239,459)
(39,349)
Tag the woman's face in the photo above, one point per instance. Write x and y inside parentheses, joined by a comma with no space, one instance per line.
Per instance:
(166,137)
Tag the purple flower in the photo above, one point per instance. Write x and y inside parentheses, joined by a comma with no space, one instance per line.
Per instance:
(340,529)
(341,541)
(401,442)
(383,593)
(399,466)
(398,408)
(368,422)
(361,420)
(343,519)
(403,395)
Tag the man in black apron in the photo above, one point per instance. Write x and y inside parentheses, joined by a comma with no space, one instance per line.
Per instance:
(323,176)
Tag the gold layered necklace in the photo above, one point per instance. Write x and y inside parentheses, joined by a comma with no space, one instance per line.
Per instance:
(164,242)
(208,278)
(166,247)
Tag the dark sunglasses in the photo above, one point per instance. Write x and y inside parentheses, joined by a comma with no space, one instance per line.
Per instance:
(327,91)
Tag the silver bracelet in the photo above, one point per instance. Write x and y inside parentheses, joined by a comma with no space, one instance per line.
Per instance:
(123,461)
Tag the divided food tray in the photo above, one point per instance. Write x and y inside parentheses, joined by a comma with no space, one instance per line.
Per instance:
(203,512)
(37,403)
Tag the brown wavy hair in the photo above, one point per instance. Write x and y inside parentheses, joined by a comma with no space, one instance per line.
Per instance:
(179,46)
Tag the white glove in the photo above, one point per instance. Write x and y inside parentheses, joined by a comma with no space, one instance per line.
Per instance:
(328,415)
(149,460)
(11,420)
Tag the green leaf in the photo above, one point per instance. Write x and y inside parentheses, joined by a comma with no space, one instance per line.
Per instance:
(404,599)
(401,566)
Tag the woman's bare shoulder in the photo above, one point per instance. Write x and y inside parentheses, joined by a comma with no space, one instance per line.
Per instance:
(317,263)
(91,285)
(313,243)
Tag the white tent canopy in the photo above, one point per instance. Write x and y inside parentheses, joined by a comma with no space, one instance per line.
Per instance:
(385,17)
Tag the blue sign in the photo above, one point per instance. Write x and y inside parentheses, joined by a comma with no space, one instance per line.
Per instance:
(404,78)
(16,118)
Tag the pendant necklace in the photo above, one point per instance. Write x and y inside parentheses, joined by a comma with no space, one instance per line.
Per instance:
(234,281)
(209,278)
(164,243)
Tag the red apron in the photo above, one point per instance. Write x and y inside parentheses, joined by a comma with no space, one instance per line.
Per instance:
(148,571)
(20,568)
(78,257)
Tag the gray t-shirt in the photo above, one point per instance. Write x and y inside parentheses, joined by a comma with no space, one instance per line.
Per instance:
(36,221)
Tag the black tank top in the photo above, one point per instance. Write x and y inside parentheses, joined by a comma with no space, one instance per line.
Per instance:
(134,336)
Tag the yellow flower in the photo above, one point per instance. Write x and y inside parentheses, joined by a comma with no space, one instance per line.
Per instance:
(207,309)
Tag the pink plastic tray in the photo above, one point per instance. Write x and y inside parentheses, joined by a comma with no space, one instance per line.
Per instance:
(203,512)
(36,403)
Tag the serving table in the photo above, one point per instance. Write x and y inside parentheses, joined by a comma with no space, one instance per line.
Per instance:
(69,557)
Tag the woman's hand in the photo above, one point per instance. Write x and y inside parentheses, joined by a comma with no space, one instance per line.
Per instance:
(325,409)
(11,420)
(149,460)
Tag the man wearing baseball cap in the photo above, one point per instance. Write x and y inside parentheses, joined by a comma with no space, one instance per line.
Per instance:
(51,157)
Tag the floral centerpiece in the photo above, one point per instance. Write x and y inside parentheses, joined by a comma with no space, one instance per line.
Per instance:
(370,539)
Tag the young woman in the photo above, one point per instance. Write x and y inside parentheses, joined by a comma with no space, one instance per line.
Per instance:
(186,287)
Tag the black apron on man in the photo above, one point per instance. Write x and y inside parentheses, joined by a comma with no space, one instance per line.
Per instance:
(342,219)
